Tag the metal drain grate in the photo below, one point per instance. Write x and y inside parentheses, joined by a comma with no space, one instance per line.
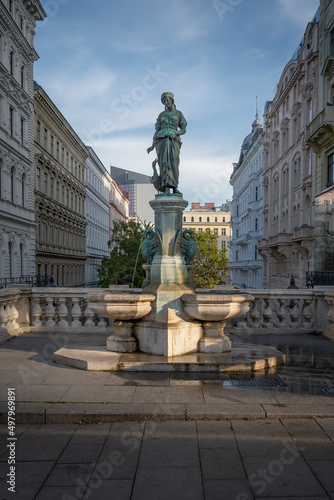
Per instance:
(240,379)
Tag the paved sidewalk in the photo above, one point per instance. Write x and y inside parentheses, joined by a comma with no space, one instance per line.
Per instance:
(46,392)
(187,460)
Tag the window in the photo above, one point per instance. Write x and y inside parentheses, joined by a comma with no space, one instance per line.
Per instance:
(256,193)
(58,146)
(200,229)
(45,138)
(11,260)
(237,210)
(216,219)
(223,219)
(51,186)
(224,244)
(38,179)
(184,219)
(38,132)
(223,231)
(45,183)
(22,131)
(256,224)
(12,179)
(57,191)
(200,219)
(11,120)
(208,219)
(309,111)
(11,63)
(255,252)
(23,189)
(237,255)
(23,72)
(67,159)
(63,156)
(52,144)
(332,43)
(21,259)
(192,219)
(309,162)
(330,171)
(215,230)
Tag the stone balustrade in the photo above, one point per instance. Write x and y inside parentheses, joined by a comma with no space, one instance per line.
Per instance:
(66,309)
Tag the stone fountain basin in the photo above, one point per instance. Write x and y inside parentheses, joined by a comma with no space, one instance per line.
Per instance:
(120,306)
(216,307)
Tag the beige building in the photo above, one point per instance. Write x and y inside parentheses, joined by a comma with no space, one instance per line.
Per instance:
(289,167)
(320,136)
(217,219)
(60,159)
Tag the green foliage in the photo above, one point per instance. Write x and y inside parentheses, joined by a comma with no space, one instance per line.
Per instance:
(210,263)
(118,268)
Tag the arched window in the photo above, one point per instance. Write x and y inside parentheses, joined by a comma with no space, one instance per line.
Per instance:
(307,211)
(208,219)
(11,63)
(192,219)
(200,219)
(21,260)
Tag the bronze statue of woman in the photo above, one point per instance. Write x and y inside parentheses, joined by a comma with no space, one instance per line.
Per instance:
(167,143)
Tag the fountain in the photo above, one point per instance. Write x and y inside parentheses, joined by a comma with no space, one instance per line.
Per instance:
(167,318)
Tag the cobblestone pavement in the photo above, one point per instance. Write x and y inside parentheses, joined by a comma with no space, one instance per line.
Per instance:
(232,460)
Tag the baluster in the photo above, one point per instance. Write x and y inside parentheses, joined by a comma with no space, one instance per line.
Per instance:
(294,313)
(281,314)
(88,315)
(307,314)
(36,312)
(62,313)
(267,313)
(330,314)
(50,313)
(255,314)
(76,313)
(3,316)
(14,325)
(9,313)
(102,323)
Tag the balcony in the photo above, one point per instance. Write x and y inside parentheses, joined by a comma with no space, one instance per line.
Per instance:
(321,129)
(303,233)
(280,239)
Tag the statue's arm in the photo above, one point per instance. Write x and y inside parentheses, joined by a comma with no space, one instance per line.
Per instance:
(182,124)
(157,129)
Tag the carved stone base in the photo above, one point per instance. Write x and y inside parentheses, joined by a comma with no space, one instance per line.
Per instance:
(121,344)
(215,344)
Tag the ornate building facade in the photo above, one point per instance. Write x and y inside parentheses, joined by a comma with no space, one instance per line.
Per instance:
(60,163)
(17,55)
(320,137)
(105,203)
(217,219)
(287,247)
(247,206)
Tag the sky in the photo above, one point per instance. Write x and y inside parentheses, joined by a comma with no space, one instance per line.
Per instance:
(105,64)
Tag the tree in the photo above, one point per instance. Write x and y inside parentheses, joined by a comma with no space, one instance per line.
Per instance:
(210,263)
(124,265)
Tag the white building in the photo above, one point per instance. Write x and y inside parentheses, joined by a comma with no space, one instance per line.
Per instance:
(105,203)
(247,205)
(17,56)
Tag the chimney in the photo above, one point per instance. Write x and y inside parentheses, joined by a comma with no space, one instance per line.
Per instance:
(195,205)
(209,205)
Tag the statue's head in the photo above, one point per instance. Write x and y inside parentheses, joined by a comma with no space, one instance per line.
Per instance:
(167,94)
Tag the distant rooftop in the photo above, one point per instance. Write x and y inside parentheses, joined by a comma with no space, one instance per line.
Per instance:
(123,176)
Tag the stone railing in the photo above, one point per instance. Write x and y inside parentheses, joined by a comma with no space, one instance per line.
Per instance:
(46,309)
(55,309)
(289,311)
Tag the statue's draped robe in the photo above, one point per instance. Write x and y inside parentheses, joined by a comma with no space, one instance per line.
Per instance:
(168,148)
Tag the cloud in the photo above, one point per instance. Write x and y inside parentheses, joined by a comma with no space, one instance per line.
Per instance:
(298,12)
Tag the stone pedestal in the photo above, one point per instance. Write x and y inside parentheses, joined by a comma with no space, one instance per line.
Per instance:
(167,330)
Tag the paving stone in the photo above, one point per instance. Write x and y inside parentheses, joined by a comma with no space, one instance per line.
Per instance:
(42,393)
(169,451)
(181,483)
(301,411)
(90,434)
(263,438)
(167,395)
(104,394)
(70,474)
(76,377)
(323,469)
(25,413)
(237,395)
(138,379)
(55,493)
(215,434)
(326,423)
(30,476)
(74,453)
(310,439)
(217,463)
(272,477)
(169,428)
(119,489)
(224,411)
(236,489)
